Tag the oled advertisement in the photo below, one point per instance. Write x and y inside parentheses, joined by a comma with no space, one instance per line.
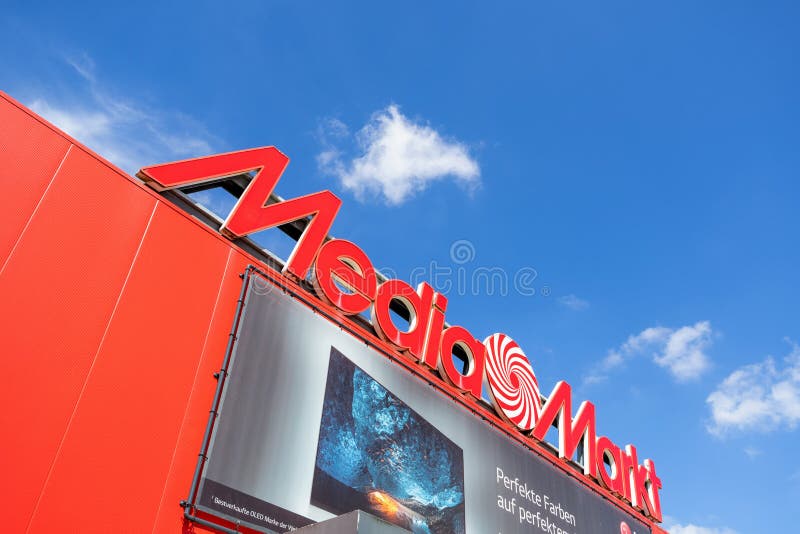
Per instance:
(314,422)
(378,455)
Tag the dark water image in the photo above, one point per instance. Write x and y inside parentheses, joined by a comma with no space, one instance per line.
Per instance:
(378,455)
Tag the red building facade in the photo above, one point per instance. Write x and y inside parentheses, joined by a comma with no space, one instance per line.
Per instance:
(109,376)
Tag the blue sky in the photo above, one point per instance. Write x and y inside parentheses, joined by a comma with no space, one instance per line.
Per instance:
(638,161)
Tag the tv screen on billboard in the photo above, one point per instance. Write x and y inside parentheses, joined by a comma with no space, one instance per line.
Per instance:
(376,454)
(314,422)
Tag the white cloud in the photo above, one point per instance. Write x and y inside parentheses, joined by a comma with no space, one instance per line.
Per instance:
(573,302)
(83,64)
(758,397)
(125,132)
(397,158)
(681,351)
(684,355)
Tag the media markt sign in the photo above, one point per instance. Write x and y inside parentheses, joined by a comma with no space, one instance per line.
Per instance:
(345,281)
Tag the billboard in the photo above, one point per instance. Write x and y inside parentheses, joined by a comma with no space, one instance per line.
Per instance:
(314,421)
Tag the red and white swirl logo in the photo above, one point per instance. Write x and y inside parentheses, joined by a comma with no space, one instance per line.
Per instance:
(624,528)
(512,384)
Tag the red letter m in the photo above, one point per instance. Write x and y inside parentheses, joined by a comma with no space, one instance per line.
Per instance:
(251,214)
(571,432)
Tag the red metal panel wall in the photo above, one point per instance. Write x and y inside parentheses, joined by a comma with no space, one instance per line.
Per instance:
(30,153)
(193,424)
(115,310)
(146,363)
(57,292)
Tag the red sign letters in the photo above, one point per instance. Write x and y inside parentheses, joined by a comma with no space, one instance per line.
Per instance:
(343,276)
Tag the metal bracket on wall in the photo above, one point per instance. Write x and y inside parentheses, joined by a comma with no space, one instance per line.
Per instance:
(188,505)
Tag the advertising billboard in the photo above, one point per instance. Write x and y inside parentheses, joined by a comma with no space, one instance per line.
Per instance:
(314,421)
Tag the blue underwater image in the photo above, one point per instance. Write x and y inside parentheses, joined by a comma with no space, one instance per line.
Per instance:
(378,455)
